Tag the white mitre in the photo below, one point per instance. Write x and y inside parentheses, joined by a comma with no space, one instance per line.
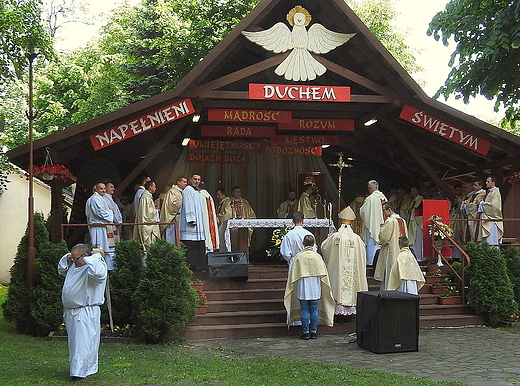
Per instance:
(347,215)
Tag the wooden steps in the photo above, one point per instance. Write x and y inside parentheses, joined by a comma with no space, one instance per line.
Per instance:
(255,308)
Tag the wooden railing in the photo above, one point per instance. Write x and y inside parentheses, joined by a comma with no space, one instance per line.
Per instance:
(465,260)
(177,237)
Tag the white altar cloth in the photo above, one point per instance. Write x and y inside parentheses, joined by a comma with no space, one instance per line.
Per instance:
(273,223)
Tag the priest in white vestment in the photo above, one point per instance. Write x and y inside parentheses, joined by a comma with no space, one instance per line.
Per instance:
(210,221)
(289,206)
(98,211)
(305,205)
(138,193)
(372,214)
(147,212)
(171,208)
(490,208)
(82,294)
(307,294)
(415,226)
(393,228)
(405,275)
(192,225)
(235,207)
(470,205)
(118,217)
(292,242)
(345,256)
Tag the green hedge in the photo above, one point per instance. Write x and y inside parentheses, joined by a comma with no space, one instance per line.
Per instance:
(164,298)
(490,291)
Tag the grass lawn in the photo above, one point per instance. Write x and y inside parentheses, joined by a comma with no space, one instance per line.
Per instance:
(33,361)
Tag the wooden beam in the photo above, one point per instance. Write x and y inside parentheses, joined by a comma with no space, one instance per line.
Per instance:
(356,78)
(177,126)
(241,74)
(418,158)
(479,168)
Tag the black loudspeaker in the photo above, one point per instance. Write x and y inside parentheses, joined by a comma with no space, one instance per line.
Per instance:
(387,321)
(227,265)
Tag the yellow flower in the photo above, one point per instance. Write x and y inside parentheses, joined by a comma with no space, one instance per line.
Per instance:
(278,242)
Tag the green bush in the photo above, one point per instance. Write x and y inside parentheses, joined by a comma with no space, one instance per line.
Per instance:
(47,308)
(17,307)
(164,299)
(490,292)
(512,257)
(124,281)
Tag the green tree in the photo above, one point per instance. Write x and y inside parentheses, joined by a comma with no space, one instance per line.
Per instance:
(379,16)
(486,57)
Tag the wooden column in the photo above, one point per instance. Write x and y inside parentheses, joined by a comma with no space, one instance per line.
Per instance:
(56,208)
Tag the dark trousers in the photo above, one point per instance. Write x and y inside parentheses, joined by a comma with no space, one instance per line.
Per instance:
(196,255)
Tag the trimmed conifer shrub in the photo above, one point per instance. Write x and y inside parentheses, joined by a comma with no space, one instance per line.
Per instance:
(17,307)
(47,307)
(490,292)
(165,301)
(124,281)
(512,258)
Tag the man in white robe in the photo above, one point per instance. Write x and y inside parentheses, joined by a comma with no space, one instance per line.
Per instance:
(304,203)
(147,212)
(289,206)
(405,275)
(372,216)
(210,221)
(490,208)
(82,294)
(415,226)
(345,256)
(307,294)
(292,243)
(192,226)
(118,217)
(171,208)
(138,193)
(98,211)
(393,228)
(470,205)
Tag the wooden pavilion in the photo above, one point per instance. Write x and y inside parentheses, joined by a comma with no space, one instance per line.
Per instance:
(250,127)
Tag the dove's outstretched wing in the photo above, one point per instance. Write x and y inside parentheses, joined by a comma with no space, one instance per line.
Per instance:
(322,40)
(276,39)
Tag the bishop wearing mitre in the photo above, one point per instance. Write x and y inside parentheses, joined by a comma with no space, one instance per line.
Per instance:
(345,256)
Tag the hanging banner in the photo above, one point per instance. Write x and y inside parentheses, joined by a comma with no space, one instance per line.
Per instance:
(261,116)
(206,144)
(304,93)
(421,119)
(238,131)
(305,140)
(141,124)
(318,124)
(290,150)
(218,158)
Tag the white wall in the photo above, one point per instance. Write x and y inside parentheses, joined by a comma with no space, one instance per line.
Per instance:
(13,217)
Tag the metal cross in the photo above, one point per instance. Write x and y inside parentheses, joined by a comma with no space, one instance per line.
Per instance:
(340,164)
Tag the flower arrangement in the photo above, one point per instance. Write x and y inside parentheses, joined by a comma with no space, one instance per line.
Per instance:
(436,232)
(48,172)
(274,250)
(514,179)
(451,290)
(202,298)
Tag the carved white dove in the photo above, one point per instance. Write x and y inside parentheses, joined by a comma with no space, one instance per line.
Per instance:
(299,65)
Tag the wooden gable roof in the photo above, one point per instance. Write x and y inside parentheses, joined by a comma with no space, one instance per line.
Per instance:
(380,88)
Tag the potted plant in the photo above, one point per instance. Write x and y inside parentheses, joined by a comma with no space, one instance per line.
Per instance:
(197,284)
(451,295)
(202,307)
(49,172)
(439,287)
(273,252)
